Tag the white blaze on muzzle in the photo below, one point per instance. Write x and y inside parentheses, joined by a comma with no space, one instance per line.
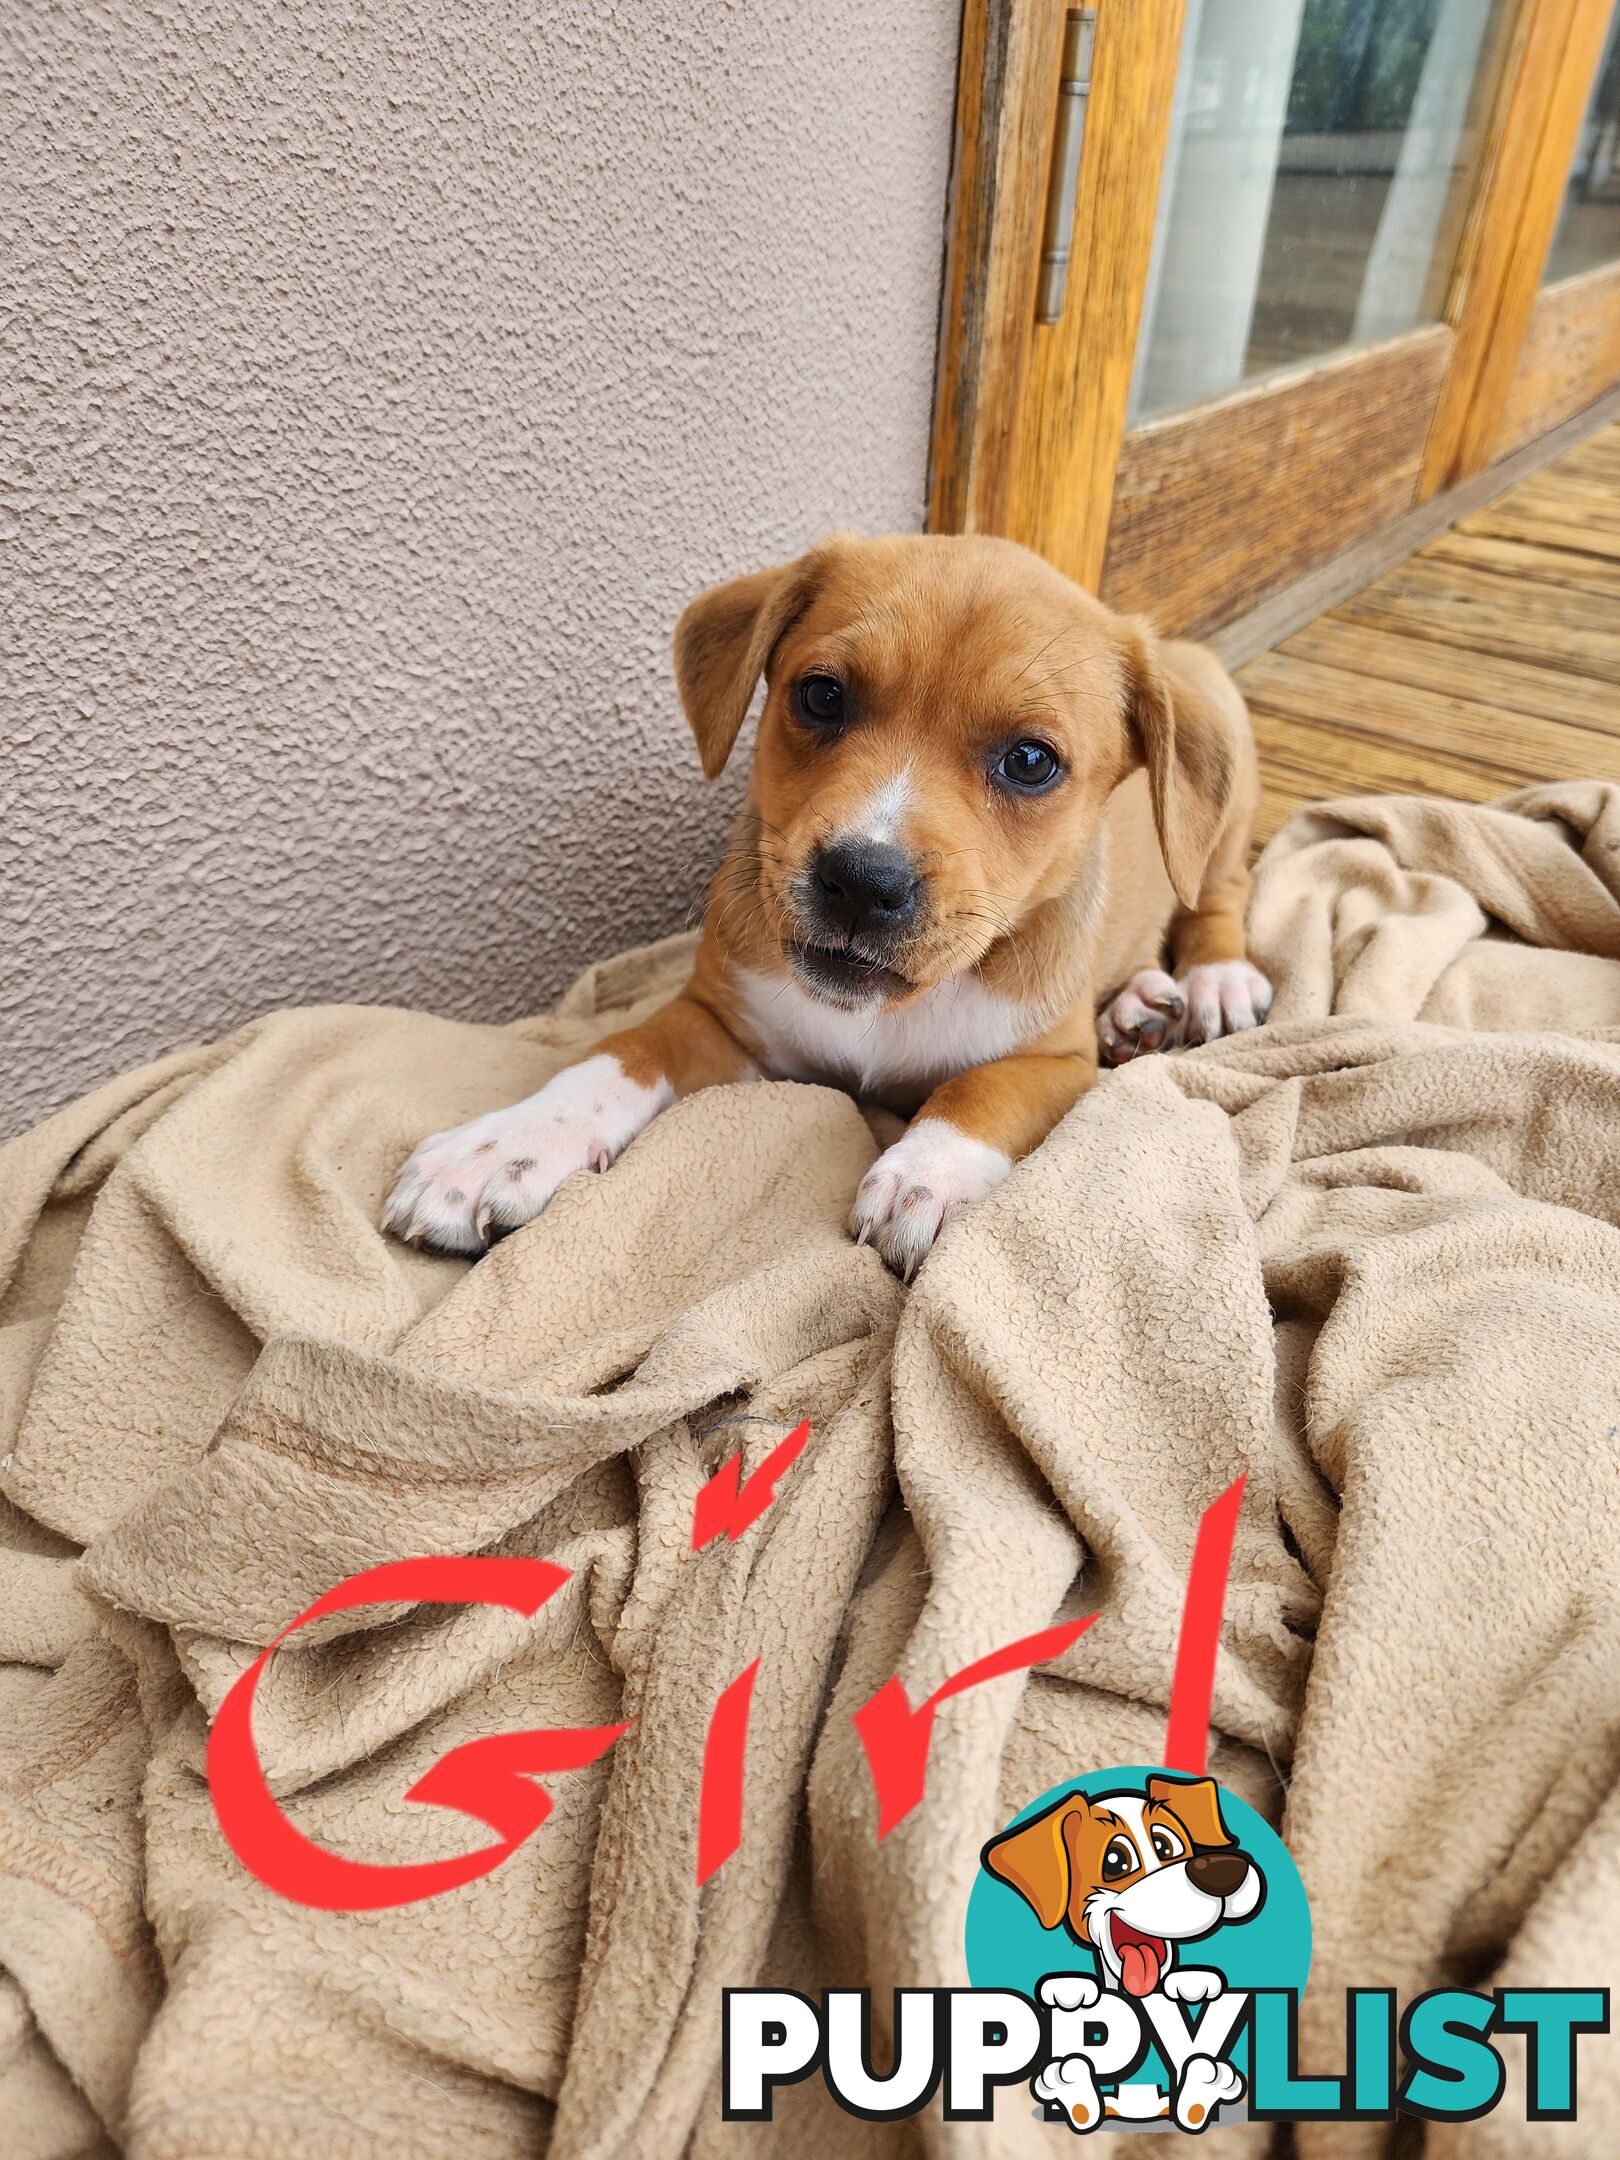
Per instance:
(883,813)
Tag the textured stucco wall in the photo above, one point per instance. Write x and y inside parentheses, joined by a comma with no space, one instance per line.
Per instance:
(377,382)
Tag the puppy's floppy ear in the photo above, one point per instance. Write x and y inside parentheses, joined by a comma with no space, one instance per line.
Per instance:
(1184,744)
(722,642)
(1033,1857)
(1197,1804)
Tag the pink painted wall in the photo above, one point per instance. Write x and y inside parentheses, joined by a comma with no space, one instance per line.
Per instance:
(377,383)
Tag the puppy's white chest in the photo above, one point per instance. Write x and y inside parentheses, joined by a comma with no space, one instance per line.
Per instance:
(893,1056)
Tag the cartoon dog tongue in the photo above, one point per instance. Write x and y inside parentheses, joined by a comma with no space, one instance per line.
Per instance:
(1141,1961)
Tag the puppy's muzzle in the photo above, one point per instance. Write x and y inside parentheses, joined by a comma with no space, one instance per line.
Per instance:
(865,889)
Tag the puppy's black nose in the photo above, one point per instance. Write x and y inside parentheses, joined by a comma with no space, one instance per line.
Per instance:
(1219,1873)
(867,885)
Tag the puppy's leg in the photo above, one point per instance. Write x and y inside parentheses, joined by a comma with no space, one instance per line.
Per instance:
(1221,989)
(1213,989)
(963,1142)
(462,1190)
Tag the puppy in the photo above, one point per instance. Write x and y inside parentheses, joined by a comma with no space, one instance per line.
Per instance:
(1133,1875)
(982,806)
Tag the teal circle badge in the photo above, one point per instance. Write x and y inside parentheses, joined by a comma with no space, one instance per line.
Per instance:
(1120,1894)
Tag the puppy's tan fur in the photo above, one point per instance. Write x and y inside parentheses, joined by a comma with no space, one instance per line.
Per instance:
(1035,909)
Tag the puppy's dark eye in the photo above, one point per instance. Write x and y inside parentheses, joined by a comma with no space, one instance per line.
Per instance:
(1119,1859)
(1028,766)
(820,700)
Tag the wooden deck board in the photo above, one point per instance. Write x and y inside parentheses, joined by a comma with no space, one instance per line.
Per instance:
(1488,661)
(1520,559)
(1577,535)
(1509,664)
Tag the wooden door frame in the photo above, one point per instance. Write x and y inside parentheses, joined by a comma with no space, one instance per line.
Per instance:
(1542,99)
(1572,351)
(1030,435)
(995,360)
(1570,356)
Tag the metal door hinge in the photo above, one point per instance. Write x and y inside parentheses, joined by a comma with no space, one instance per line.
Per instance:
(1074,87)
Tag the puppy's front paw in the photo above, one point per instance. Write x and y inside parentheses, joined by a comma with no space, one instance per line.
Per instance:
(1070,1991)
(1070,2084)
(1143,1016)
(1223,999)
(1204,2083)
(464,1189)
(919,1185)
(1192,1984)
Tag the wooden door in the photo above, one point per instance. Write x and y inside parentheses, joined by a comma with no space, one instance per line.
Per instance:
(1308,239)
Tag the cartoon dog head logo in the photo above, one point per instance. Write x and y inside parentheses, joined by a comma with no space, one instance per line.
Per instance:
(1132,1875)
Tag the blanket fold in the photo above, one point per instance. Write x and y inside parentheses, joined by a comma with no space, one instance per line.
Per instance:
(1368,1256)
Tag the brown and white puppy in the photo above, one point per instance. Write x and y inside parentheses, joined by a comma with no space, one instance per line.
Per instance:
(983,812)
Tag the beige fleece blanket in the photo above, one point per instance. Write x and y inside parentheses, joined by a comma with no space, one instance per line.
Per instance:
(1370,1255)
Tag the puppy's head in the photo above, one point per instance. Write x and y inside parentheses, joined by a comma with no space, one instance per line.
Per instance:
(944,721)
(1131,1874)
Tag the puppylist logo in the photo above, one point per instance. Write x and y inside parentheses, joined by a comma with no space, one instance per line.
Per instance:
(1138,1941)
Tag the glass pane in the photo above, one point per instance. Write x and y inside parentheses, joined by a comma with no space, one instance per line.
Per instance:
(1314,185)
(1588,232)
